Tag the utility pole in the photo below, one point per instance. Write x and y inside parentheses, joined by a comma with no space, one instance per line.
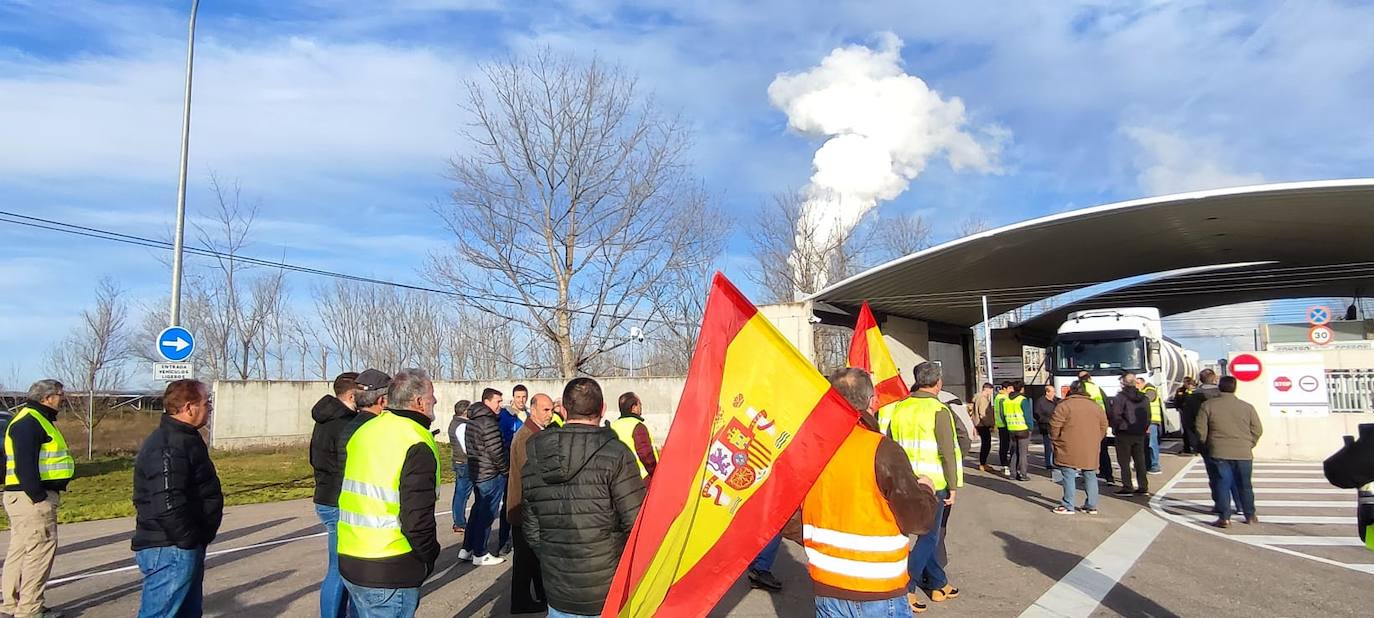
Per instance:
(175,313)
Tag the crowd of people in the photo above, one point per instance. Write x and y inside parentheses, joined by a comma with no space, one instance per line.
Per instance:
(560,486)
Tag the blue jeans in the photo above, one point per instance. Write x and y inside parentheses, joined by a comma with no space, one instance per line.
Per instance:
(462,490)
(486,503)
(383,602)
(172,581)
(921,565)
(769,553)
(1049,447)
(1068,478)
(1214,483)
(333,596)
(1233,477)
(554,613)
(829,607)
(1152,451)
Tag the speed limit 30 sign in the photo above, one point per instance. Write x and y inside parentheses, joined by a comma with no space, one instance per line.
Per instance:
(1320,334)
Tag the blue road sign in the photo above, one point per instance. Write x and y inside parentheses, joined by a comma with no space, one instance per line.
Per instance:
(1318,315)
(175,344)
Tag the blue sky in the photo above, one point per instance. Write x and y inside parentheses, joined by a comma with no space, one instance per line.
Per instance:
(339,115)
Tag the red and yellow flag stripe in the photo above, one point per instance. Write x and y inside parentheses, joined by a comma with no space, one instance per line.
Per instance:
(868,351)
(755,426)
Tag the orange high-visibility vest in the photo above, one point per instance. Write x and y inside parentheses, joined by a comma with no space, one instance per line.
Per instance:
(851,536)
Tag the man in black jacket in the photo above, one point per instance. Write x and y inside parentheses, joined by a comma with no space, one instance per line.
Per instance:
(488,464)
(331,413)
(388,542)
(178,502)
(32,495)
(581,492)
(1129,416)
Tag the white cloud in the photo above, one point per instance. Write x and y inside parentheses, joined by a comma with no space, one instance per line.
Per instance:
(1171,163)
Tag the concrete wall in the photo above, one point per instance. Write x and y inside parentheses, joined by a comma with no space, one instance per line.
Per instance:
(793,320)
(277,413)
(1303,438)
(908,341)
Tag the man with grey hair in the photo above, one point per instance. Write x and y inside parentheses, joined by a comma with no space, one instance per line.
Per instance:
(387,538)
(37,467)
(918,423)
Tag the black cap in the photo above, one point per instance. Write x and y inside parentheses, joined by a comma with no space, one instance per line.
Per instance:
(373,380)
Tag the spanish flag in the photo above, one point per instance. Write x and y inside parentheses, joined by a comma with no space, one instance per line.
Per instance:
(755,426)
(868,351)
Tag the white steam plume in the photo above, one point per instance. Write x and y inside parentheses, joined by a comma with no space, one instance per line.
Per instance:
(882,125)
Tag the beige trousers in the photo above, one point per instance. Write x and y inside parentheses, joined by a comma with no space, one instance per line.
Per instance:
(33,546)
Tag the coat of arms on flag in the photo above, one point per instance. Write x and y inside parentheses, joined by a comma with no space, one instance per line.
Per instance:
(741,453)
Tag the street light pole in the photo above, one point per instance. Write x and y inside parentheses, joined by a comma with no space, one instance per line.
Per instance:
(987,337)
(181,178)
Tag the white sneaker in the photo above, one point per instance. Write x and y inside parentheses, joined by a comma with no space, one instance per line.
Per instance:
(464,554)
(1006,471)
(487,560)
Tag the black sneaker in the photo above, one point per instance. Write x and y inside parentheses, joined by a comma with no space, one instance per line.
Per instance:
(764,580)
(1124,491)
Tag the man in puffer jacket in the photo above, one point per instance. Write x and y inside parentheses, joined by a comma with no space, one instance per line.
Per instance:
(488,464)
(579,482)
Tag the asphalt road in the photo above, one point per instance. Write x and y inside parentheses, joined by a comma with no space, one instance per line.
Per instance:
(1008,552)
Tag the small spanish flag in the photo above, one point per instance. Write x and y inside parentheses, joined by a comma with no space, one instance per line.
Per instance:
(754,428)
(868,351)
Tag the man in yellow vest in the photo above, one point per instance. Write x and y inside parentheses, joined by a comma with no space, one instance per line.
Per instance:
(1018,429)
(924,428)
(999,406)
(632,431)
(1156,422)
(387,538)
(855,520)
(37,468)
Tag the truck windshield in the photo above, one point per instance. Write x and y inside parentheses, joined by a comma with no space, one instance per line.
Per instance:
(1100,355)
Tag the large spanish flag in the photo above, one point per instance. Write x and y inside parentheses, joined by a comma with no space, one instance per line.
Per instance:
(755,426)
(868,351)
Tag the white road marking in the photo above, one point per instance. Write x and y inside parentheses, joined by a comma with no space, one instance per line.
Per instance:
(1270,519)
(208,555)
(1158,504)
(1262,539)
(1081,591)
(1255,480)
(1284,504)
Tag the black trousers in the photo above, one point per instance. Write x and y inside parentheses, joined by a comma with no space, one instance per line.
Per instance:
(984,444)
(1004,446)
(1130,449)
(1191,440)
(1104,461)
(526,578)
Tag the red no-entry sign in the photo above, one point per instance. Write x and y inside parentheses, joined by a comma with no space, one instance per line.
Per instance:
(1246,367)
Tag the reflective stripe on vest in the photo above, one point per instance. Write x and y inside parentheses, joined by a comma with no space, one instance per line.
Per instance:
(997,412)
(1156,406)
(370,498)
(913,427)
(1015,415)
(849,531)
(624,428)
(55,462)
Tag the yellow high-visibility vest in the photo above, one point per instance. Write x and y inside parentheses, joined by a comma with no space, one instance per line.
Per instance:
(370,502)
(55,462)
(1015,415)
(1095,393)
(1156,405)
(913,427)
(997,413)
(624,428)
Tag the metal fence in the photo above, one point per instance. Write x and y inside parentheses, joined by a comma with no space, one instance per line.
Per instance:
(1350,390)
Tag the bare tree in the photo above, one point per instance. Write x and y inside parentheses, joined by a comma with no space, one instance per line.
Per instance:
(92,357)
(573,205)
(789,268)
(971,224)
(902,235)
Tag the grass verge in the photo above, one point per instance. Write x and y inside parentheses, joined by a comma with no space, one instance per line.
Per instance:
(102,487)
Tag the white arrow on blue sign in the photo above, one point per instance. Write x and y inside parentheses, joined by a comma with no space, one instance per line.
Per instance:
(176,344)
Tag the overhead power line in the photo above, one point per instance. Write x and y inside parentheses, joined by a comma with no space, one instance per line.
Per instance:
(129,239)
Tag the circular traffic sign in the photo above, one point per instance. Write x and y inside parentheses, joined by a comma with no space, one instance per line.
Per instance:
(1318,315)
(1320,335)
(1282,384)
(175,344)
(1246,367)
(1308,383)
